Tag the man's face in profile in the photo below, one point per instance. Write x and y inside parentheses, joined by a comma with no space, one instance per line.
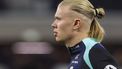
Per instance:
(62,25)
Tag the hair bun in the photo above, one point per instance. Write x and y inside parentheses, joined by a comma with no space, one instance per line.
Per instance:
(100,13)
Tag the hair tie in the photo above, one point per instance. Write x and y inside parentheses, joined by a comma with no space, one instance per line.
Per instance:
(95,12)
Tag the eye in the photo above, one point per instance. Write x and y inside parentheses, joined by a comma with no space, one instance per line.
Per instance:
(57,18)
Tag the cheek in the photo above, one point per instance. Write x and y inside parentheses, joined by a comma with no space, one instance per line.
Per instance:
(65,28)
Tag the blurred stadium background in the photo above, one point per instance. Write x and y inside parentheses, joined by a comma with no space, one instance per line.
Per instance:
(26,39)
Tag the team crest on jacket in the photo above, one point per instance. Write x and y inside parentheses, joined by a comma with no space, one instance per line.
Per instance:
(110,67)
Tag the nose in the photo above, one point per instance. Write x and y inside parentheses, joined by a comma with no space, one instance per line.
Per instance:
(53,25)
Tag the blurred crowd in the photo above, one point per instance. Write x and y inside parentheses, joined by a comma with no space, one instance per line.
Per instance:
(29,49)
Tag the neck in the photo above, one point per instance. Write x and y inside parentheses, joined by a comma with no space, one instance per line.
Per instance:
(73,41)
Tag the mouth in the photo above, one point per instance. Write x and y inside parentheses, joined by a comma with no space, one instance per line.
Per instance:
(55,34)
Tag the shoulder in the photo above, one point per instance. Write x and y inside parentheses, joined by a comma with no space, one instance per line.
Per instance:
(100,57)
(99,49)
(100,52)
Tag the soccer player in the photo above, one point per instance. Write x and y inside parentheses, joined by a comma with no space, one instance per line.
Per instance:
(76,24)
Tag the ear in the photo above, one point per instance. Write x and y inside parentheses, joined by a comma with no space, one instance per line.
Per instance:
(76,24)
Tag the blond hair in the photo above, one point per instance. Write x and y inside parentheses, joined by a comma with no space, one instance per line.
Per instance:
(86,8)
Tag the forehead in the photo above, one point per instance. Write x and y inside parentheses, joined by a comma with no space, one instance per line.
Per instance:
(63,11)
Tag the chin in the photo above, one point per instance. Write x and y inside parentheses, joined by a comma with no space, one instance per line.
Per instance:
(58,40)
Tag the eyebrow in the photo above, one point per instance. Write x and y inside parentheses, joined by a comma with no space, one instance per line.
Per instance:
(56,17)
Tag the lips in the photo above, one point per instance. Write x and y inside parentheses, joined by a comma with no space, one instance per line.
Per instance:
(55,34)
